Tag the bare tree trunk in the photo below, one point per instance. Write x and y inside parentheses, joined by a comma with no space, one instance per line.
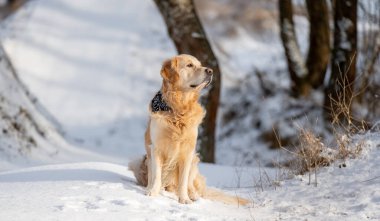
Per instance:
(296,64)
(10,7)
(340,89)
(305,76)
(319,42)
(188,35)
(370,46)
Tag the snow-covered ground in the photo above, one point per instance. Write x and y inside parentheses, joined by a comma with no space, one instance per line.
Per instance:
(347,190)
(96,191)
(104,191)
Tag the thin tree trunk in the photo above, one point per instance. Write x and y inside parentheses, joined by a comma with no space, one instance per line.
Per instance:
(340,89)
(305,76)
(296,64)
(188,35)
(10,7)
(319,42)
(370,41)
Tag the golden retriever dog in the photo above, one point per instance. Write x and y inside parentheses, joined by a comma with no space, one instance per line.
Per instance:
(171,162)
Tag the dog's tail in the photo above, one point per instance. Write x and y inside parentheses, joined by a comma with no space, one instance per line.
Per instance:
(217,195)
(140,170)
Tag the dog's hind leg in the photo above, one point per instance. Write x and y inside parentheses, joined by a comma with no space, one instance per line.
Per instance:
(149,172)
(148,147)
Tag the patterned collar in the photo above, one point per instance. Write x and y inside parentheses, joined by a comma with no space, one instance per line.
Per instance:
(158,103)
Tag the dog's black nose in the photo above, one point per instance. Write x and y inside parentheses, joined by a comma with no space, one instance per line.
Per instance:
(208,70)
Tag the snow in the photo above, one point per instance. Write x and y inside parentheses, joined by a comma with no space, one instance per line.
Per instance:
(95,191)
(344,24)
(26,136)
(94,66)
(342,193)
(98,191)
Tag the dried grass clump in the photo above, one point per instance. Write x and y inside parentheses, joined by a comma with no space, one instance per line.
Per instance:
(311,153)
(347,149)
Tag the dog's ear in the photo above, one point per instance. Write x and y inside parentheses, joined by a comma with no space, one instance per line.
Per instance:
(169,69)
(166,69)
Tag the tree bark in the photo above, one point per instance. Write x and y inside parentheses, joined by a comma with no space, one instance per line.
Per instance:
(319,42)
(312,74)
(296,65)
(340,89)
(188,35)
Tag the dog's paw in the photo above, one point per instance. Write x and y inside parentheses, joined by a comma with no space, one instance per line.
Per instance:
(194,196)
(185,200)
(152,193)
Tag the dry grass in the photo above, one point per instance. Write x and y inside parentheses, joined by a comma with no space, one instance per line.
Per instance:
(312,154)
(347,149)
(309,156)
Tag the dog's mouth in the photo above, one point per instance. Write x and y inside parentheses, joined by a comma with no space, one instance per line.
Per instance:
(206,83)
(209,79)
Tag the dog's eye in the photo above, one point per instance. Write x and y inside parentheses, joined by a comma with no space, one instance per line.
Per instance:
(189,65)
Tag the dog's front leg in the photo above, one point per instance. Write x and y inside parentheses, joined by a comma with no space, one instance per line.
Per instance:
(184,172)
(193,194)
(154,173)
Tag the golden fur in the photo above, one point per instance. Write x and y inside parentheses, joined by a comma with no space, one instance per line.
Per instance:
(170,162)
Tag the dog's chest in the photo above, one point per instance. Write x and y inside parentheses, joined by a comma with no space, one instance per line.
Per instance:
(174,128)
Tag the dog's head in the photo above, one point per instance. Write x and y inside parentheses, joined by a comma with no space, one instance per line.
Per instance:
(184,72)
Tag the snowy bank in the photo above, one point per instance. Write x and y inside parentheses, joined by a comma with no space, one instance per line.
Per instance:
(104,191)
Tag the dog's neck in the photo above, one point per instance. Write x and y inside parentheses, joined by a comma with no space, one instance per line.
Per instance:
(180,102)
(159,104)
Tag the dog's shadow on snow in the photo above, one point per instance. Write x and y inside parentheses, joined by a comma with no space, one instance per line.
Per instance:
(65,175)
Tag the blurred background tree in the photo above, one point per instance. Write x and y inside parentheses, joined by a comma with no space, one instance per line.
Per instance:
(340,91)
(310,73)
